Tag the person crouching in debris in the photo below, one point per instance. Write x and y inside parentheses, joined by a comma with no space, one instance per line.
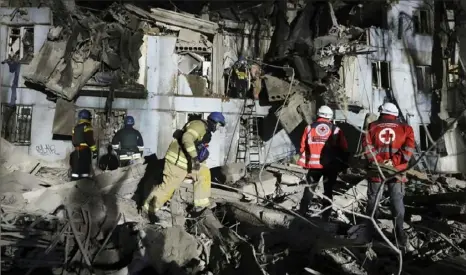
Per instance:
(185,155)
(323,152)
(85,148)
(128,143)
(391,143)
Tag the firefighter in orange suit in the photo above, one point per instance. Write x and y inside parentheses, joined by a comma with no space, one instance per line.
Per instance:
(85,148)
(390,142)
(323,149)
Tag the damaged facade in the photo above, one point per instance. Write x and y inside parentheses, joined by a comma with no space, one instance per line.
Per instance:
(380,58)
(399,69)
(175,66)
(267,74)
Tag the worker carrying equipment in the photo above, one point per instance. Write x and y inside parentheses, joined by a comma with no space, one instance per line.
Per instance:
(187,154)
(390,142)
(128,143)
(324,152)
(85,148)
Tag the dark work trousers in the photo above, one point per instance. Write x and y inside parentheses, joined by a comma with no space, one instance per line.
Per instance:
(80,162)
(396,190)
(312,177)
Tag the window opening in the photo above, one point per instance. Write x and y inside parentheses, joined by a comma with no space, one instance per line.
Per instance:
(16,124)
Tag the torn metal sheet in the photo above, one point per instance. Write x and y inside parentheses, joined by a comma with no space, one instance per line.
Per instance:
(65,118)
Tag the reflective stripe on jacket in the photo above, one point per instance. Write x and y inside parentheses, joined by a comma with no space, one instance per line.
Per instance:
(389,139)
(314,139)
(181,156)
(83,135)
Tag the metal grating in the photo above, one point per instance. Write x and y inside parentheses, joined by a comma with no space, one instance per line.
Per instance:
(16,124)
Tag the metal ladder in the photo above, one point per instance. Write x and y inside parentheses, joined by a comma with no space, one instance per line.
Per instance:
(248,149)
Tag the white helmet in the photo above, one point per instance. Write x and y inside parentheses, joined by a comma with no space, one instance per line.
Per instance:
(325,112)
(389,109)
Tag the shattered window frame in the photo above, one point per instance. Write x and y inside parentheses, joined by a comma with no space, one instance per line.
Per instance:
(422,22)
(379,80)
(424,80)
(25,56)
(17,123)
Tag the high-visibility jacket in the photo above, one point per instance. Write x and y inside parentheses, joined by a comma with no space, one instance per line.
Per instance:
(182,150)
(83,135)
(389,139)
(314,139)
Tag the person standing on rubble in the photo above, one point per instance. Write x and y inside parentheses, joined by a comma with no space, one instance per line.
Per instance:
(323,152)
(85,148)
(391,143)
(128,143)
(187,154)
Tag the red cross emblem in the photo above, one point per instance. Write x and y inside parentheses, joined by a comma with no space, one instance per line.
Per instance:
(322,129)
(387,135)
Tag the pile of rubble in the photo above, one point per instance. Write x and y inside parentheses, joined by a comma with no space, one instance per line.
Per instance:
(51,225)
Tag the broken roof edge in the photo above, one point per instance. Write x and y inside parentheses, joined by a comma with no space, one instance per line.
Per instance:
(176,19)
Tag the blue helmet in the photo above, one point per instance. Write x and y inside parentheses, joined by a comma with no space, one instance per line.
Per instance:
(217,117)
(129,121)
(84,114)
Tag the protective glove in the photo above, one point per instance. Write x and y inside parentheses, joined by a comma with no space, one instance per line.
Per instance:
(195,167)
(94,155)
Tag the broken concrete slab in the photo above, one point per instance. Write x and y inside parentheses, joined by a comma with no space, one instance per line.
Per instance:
(13,158)
(44,63)
(287,179)
(233,172)
(260,185)
(19,181)
(169,248)
(176,19)
(297,110)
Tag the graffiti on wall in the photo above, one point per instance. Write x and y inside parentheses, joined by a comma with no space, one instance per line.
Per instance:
(47,150)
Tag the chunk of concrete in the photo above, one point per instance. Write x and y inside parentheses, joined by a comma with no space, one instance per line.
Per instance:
(13,158)
(20,181)
(233,172)
(260,185)
(168,247)
(455,183)
(287,179)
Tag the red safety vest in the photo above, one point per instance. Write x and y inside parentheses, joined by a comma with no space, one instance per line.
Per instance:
(313,141)
(389,139)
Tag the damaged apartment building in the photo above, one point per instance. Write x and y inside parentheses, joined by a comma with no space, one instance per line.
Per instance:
(164,66)
(170,67)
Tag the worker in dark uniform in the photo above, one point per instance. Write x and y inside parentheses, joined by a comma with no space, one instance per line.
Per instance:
(85,148)
(128,143)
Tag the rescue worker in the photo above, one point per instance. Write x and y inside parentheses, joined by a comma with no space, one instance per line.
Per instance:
(390,142)
(323,151)
(128,143)
(85,148)
(186,154)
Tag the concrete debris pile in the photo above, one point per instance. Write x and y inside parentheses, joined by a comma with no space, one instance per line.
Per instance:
(310,59)
(89,50)
(251,228)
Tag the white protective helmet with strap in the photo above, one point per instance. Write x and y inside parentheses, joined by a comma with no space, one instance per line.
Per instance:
(325,112)
(389,109)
